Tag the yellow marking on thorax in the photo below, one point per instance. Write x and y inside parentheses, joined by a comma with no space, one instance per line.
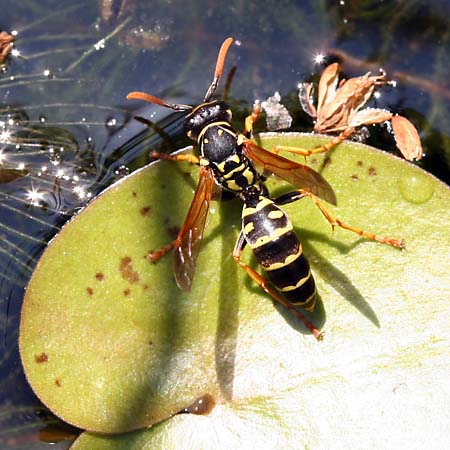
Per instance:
(214,124)
(249,176)
(233,158)
(241,139)
(248,211)
(249,227)
(228,175)
(231,184)
(269,238)
(300,282)
(278,214)
(289,259)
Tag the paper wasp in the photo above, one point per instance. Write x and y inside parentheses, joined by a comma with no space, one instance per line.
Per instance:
(232,161)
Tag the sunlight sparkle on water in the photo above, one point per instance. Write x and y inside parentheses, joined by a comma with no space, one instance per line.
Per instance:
(100,44)
(4,136)
(34,196)
(319,58)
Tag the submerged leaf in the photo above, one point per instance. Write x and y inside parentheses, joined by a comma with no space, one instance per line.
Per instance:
(7,174)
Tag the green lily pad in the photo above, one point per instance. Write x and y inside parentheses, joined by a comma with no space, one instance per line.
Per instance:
(110,344)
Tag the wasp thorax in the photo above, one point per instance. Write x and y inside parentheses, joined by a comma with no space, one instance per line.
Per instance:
(204,114)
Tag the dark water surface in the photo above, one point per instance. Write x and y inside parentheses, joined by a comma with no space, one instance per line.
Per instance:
(67,131)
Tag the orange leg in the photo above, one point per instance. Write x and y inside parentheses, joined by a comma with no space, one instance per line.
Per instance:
(158,254)
(322,149)
(334,221)
(182,157)
(251,119)
(264,285)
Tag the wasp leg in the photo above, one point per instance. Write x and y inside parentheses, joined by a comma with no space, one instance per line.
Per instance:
(289,197)
(264,285)
(322,149)
(334,221)
(251,119)
(182,157)
(155,255)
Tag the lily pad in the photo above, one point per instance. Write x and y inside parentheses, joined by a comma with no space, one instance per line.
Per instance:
(110,344)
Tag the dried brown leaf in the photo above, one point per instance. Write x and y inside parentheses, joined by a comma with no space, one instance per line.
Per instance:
(352,94)
(6,43)
(369,116)
(327,85)
(407,138)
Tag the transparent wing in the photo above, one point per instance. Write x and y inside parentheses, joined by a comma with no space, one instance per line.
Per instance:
(299,175)
(187,244)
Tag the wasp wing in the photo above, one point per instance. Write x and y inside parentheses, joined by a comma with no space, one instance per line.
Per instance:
(299,175)
(187,244)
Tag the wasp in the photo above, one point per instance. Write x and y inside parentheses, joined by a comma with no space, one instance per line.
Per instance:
(230,160)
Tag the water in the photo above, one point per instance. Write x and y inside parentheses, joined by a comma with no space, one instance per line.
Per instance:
(67,132)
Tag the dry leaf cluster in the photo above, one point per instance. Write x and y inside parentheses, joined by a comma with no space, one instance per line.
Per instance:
(340,108)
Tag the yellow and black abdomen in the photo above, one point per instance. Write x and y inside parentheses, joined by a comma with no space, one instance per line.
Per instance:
(270,234)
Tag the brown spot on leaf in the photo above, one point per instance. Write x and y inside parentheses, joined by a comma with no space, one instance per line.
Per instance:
(372,171)
(359,163)
(134,194)
(127,271)
(100,276)
(126,292)
(354,177)
(203,405)
(89,290)
(42,358)
(58,382)
(326,161)
(145,211)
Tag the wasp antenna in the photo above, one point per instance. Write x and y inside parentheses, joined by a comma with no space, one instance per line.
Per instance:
(219,68)
(156,100)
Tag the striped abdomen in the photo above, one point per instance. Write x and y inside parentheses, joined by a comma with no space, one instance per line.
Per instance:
(270,234)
